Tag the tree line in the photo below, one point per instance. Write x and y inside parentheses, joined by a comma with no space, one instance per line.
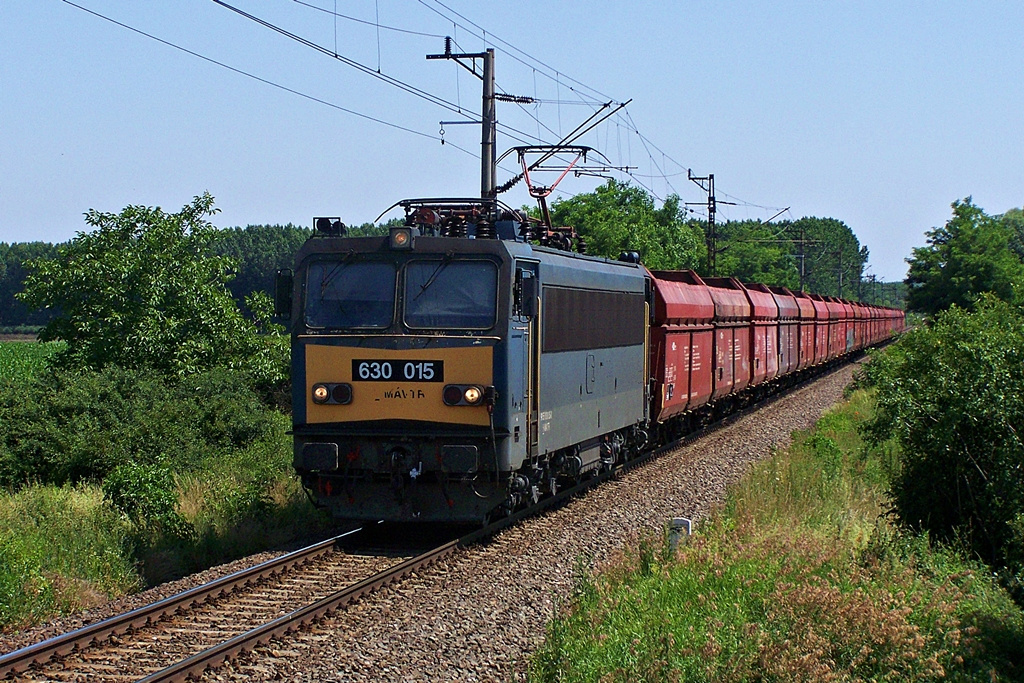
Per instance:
(255,253)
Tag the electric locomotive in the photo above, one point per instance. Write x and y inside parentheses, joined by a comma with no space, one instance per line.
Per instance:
(452,371)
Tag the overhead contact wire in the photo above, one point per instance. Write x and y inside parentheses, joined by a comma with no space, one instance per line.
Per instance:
(265,81)
(366,22)
(391,80)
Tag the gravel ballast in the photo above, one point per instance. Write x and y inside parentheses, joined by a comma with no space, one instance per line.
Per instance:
(479,615)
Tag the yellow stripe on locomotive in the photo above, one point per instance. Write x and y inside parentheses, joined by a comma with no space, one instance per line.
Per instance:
(392,384)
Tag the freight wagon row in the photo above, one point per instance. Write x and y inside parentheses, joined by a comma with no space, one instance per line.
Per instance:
(714,337)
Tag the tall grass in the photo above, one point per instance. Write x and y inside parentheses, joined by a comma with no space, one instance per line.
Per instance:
(66,548)
(233,509)
(61,549)
(801,577)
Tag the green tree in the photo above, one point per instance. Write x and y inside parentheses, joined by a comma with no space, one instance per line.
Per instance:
(145,290)
(374,229)
(618,217)
(756,252)
(953,396)
(1014,220)
(834,259)
(258,252)
(971,254)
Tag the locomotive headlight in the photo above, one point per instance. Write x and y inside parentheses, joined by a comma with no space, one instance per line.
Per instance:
(401,237)
(463,395)
(337,394)
(342,393)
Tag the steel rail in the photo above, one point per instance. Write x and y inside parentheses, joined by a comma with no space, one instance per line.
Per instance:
(66,643)
(214,656)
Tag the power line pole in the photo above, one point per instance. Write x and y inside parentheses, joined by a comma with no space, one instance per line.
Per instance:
(488,133)
(707,183)
(840,254)
(488,122)
(803,258)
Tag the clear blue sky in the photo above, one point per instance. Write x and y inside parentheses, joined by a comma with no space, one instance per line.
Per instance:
(879,114)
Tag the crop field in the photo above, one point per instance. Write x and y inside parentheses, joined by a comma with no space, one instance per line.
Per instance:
(23,359)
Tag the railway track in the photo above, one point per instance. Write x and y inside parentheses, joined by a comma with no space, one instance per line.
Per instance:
(183,635)
(186,633)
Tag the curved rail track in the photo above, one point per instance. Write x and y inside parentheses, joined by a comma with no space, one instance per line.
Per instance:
(183,635)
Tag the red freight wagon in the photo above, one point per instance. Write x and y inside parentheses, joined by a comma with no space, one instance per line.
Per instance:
(848,325)
(808,323)
(789,329)
(764,332)
(879,324)
(838,314)
(732,335)
(835,326)
(870,312)
(860,332)
(682,342)
(896,321)
(822,328)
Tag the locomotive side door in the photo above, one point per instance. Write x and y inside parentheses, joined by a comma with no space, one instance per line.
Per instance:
(528,322)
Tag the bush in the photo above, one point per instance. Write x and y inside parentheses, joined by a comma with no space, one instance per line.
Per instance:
(71,426)
(953,396)
(146,495)
(188,472)
(146,290)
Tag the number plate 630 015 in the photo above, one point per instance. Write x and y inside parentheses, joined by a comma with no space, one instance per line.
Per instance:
(397,370)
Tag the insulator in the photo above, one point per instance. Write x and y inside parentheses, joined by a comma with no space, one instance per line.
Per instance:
(581,245)
(485,231)
(456,228)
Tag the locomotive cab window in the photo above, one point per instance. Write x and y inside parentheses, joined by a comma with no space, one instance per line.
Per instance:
(446,294)
(355,294)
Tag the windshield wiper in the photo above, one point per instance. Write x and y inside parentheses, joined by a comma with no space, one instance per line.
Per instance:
(335,271)
(445,262)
